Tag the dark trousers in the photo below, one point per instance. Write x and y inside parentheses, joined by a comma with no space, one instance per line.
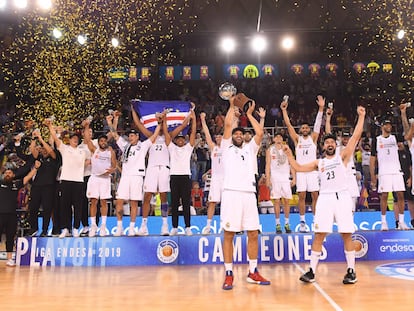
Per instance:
(85,204)
(8,223)
(56,210)
(71,196)
(41,196)
(180,189)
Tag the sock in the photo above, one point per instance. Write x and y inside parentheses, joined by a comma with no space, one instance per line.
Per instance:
(252,265)
(383,218)
(401,218)
(132,224)
(103,220)
(286,221)
(164,209)
(208,222)
(144,222)
(119,223)
(228,266)
(350,259)
(277,221)
(314,260)
(93,220)
(302,217)
(164,220)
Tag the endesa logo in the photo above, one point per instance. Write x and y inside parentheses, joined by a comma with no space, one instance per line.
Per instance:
(397,248)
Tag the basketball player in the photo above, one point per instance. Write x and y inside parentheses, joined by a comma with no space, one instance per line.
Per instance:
(133,171)
(157,177)
(385,151)
(278,172)
(103,164)
(238,202)
(334,201)
(216,183)
(352,179)
(305,152)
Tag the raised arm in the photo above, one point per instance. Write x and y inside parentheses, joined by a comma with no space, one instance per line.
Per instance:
(44,144)
(112,124)
(404,120)
(291,130)
(320,100)
(154,136)
(256,126)
(193,128)
(182,126)
(262,114)
(307,167)
(348,151)
(328,128)
(267,168)
(88,136)
(52,131)
(229,119)
(32,172)
(139,124)
(206,131)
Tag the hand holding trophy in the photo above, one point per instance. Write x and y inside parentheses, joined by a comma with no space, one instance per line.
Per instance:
(228,90)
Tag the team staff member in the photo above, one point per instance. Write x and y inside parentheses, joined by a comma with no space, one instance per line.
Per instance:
(42,192)
(238,202)
(9,188)
(180,172)
(334,202)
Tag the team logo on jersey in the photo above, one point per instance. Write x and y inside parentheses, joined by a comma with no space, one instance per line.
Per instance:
(167,251)
(398,270)
(361,245)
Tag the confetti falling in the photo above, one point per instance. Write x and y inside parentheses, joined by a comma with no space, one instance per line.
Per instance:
(60,77)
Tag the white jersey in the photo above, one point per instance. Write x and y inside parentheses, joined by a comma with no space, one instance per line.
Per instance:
(216,161)
(239,166)
(279,165)
(100,162)
(180,159)
(133,156)
(88,153)
(412,166)
(333,175)
(73,163)
(305,150)
(158,154)
(387,155)
(351,172)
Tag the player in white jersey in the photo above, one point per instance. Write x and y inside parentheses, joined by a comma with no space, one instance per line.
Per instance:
(278,172)
(238,202)
(334,202)
(385,151)
(157,177)
(217,171)
(409,133)
(343,142)
(133,171)
(103,164)
(305,152)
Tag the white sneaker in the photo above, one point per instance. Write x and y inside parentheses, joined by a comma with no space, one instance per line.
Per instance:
(92,231)
(206,230)
(384,226)
(174,231)
(102,230)
(143,230)
(131,231)
(118,231)
(164,230)
(75,233)
(10,263)
(64,234)
(85,231)
(188,231)
(402,226)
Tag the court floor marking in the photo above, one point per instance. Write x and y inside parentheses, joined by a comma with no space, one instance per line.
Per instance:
(321,291)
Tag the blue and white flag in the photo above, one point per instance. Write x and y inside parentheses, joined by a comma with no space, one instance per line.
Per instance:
(178,111)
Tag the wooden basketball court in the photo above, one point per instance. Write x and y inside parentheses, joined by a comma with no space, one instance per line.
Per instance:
(170,288)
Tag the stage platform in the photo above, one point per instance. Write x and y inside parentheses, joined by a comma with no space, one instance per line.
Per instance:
(207,249)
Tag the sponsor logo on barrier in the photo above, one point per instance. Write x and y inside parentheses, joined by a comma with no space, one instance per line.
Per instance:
(361,245)
(167,251)
(399,270)
(396,246)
